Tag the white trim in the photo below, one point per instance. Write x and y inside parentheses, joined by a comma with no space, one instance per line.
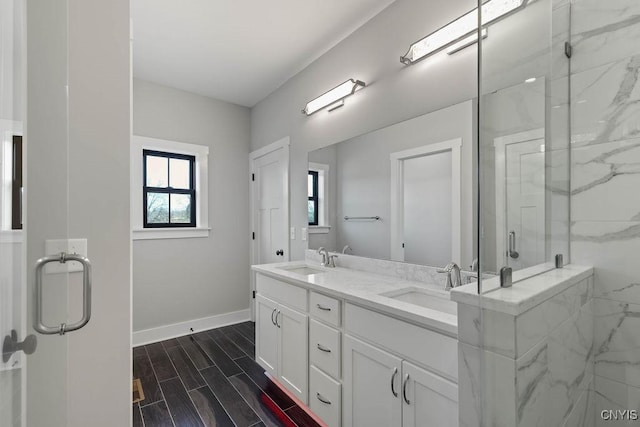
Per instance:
(500,145)
(11,236)
(283,144)
(161,333)
(201,152)
(169,233)
(397,191)
(323,197)
(319,229)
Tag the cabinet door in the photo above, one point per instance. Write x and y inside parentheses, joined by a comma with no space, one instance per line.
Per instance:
(429,399)
(266,334)
(293,369)
(372,380)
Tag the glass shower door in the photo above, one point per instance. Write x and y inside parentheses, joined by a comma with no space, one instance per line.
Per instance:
(41,300)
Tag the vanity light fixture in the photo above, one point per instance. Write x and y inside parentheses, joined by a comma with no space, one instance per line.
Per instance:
(466,42)
(460,30)
(333,98)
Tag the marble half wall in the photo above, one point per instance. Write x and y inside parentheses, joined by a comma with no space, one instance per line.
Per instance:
(535,368)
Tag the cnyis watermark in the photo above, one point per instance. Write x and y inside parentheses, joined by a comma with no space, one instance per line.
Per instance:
(619,415)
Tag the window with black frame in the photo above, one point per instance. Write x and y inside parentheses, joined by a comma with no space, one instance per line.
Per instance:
(313,198)
(169,193)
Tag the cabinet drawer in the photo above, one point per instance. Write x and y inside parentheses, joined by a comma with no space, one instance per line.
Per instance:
(325,397)
(325,308)
(291,295)
(324,348)
(434,350)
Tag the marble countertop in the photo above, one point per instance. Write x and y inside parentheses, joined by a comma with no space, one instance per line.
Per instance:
(364,289)
(524,294)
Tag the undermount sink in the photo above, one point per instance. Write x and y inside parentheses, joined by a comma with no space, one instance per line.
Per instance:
(423,298)
(302,269)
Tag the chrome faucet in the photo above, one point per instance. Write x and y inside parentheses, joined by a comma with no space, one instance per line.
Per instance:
(325,255)
(453,276)
(331,263)
(327,260)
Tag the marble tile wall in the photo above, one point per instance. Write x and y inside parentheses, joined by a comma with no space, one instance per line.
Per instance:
(605,195)
(534,369)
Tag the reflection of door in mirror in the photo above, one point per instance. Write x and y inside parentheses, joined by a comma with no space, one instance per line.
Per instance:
(425,204)
(427,209)
(520,184)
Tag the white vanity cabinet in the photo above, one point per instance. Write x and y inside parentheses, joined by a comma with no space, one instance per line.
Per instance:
(282,334)
(383,388)
(428,399)
(372,380)
(325,358)
(354,366)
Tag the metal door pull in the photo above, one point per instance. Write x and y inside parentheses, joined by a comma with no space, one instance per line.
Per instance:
(63,328)
(323,399)
(323,348)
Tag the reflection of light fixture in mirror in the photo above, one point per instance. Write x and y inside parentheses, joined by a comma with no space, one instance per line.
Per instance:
(466,42)
(460,29)
(333,98)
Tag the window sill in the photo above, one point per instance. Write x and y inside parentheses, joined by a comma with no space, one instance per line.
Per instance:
(169,233)
(319,229)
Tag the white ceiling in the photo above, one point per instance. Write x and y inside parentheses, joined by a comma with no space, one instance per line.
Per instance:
(238,50)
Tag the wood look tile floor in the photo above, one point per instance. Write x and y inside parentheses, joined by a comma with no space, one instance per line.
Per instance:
(210,379)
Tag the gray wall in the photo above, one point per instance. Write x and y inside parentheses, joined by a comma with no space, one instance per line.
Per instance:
(394,92)
(177,280)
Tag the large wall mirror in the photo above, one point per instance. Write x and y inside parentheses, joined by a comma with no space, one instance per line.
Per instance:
(402,193)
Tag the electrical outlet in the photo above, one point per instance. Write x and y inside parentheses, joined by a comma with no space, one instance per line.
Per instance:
(293,233)
(70,246)
(304,233)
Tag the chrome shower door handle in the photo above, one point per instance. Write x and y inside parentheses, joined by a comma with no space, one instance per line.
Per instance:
(63,328)
(513,253)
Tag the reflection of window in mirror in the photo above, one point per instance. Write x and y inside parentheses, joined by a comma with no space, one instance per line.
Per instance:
(16,184)
(317,205)
(313,198)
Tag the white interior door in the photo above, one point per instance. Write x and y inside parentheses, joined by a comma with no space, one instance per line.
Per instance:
(525,203)
(427,197)
(426,204)
(269,206)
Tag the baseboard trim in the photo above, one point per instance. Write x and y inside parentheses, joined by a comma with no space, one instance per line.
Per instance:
(161,333)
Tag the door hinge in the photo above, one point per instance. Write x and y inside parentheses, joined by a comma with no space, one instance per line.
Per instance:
(253,235)
(253,177)
(568,49)
(253,294)
(403,245)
